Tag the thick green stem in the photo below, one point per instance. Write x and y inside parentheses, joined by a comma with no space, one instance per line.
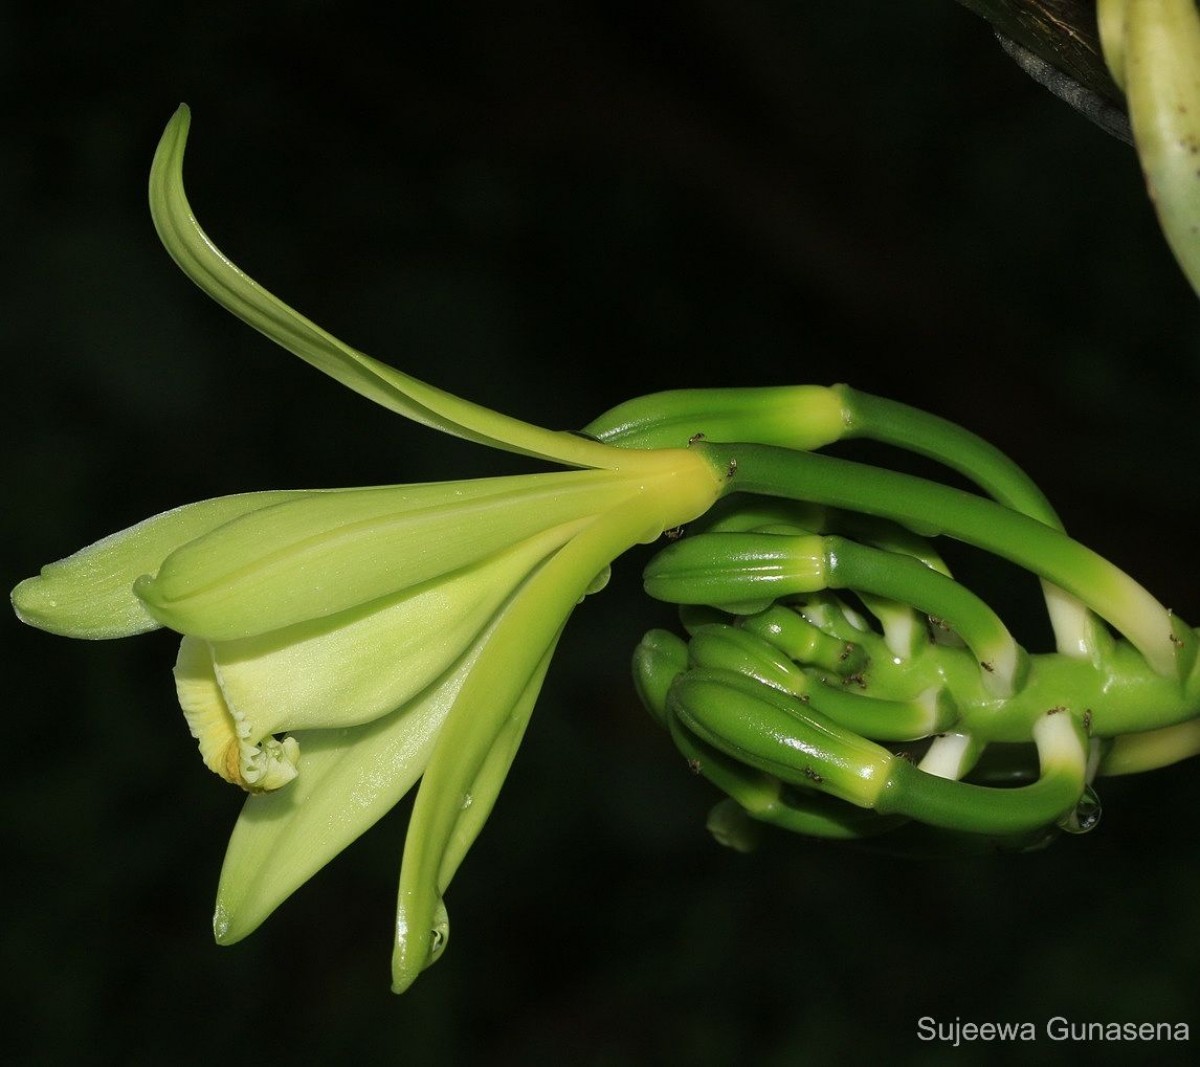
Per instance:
(890,422)
(984,809)
(929,508)
(928,435)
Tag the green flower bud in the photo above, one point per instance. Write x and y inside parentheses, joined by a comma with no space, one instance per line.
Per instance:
(657,660)
(778,734)
(732,569)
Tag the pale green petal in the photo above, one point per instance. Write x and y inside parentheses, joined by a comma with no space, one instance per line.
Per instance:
(409,960)
(208,267)
(348,780)
(481,795)
(90,594)
(357,665)
(328,553)
(490,710)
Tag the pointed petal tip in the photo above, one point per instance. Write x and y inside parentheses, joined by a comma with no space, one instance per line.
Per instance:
(236,915)
(226,930)
(177,125)
(169,149)
(36,602)
(412,954)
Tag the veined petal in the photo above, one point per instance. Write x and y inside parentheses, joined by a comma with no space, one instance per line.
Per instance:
(207,266)
(355,666)
(350,779)
(90,594)
(328,553)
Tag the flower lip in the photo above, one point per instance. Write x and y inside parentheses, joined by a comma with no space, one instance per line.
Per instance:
(258,766)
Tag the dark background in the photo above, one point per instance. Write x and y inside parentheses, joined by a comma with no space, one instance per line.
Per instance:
(549,208)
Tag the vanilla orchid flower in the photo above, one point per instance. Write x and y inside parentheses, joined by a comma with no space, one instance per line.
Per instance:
(340,644)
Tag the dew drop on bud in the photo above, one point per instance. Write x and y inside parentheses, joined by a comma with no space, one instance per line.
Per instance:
(732,827)
(1086,815)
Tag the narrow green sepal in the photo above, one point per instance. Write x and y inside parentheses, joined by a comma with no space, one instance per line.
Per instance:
(202,261)
(328,552)
(349,779)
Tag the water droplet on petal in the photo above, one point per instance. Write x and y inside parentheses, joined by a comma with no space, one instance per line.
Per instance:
(440,934)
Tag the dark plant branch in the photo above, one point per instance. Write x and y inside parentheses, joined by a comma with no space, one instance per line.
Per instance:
(1060,32)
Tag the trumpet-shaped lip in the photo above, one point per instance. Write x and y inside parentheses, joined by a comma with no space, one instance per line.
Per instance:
(227,747)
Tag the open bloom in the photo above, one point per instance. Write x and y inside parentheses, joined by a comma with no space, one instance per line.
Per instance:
(340,644)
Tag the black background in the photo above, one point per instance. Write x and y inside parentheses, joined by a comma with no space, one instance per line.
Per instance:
(549,208)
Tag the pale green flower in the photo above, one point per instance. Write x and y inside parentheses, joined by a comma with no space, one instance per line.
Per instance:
(340,644)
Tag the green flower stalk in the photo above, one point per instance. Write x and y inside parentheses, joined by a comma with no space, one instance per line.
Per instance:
(339,645)
(1152,49)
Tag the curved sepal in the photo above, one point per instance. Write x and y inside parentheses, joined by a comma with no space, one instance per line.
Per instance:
(202,261)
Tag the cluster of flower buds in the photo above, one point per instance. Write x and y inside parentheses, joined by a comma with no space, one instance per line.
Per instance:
(837,681)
